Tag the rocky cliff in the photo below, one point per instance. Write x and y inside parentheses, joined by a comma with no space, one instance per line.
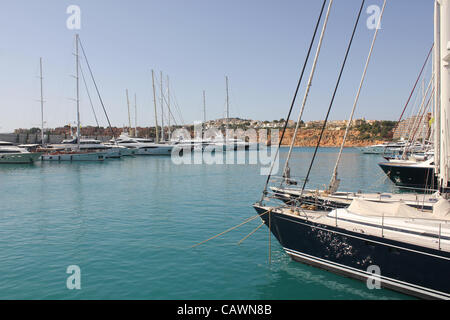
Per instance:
(331,138)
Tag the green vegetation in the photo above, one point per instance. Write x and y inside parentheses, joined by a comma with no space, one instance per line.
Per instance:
(382,130)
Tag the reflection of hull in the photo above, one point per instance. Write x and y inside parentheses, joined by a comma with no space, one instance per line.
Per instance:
(127,151)
(405,267)
(20,158)
(74,156)
(120,151)
(232,146)
(410,176)
(113,153)
(161,150)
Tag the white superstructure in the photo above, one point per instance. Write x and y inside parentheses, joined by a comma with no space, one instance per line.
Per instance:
(9,153)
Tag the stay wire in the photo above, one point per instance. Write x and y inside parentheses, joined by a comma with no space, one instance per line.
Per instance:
(96,88)
(333,97)
(296,93)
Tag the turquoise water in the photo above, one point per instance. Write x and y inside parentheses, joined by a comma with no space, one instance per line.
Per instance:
(129,225)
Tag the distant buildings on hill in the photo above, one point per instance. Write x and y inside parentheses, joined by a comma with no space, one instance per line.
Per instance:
(417,126)
(257,124)
(233,123)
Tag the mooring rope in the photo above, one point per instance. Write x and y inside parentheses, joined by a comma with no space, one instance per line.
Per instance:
(247,236)
(232,228)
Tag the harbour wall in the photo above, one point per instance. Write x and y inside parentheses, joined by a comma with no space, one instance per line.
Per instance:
(24,138)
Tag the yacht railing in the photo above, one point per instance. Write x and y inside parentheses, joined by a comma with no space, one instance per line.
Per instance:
(309,205)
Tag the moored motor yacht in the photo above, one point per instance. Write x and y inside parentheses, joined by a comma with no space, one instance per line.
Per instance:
(9,153)
(112,151)
(144,146)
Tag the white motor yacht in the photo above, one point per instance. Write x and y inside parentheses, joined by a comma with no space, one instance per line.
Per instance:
(144,146)
(9,153)
(112,151)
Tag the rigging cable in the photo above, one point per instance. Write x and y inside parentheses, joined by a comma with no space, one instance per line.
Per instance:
(333,97)
(286,170)
(420,123)
(414,88)
(96,88)
(412,124)
(334,183)
(167,104)
(89,96)
(295,97)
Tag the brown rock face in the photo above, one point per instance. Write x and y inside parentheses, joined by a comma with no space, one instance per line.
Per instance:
(331,138)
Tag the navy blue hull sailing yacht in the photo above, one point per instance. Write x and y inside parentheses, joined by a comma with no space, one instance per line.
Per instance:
(405,248)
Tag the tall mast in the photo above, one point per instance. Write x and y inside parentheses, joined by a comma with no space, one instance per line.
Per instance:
(129,116)
(162,106)
(444,170)
(154,102)
(437,88)
(228,103)
(78,92)
(422,124)
(42,105)
(204,107)
(168,106)
(135,116)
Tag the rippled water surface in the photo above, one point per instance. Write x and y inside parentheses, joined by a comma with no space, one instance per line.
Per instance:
(129,225)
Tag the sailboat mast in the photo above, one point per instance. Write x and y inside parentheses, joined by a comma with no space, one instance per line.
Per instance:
(42,104)
(437,87)
(444,60)
(168,106)
(162,106)
(228,103)
(154,102)
(129,116)
(204,107)
(135,116)
(78,91)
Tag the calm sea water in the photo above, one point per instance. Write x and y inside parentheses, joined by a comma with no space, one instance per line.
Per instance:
(129,225)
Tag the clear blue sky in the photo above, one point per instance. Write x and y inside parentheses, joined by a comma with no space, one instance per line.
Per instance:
(259,44)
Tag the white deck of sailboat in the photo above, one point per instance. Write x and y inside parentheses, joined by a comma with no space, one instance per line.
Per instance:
(347,197)
(429,233)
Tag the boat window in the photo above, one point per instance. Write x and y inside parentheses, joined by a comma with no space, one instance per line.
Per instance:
(9,151)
